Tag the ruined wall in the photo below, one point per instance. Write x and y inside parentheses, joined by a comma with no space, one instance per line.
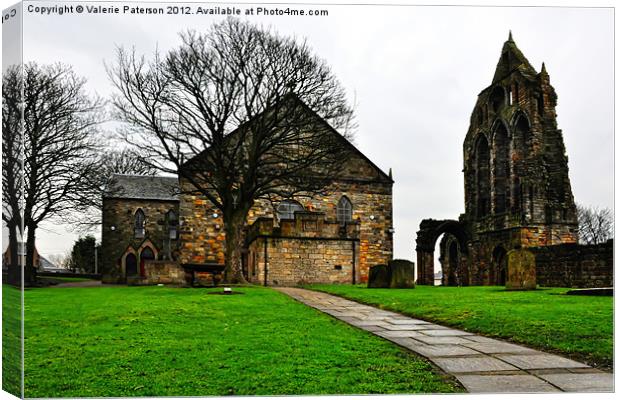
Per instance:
(515,159)
(115,243)
(573,265)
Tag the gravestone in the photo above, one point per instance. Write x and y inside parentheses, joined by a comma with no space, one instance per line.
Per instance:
(379,276)
(402,274)
(521,270)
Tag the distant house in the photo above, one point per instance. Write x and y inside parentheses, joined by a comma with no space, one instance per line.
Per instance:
(46,265)
(21,253)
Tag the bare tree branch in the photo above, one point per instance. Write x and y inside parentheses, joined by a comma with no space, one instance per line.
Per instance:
(595,225)
(59,142)
(250,109)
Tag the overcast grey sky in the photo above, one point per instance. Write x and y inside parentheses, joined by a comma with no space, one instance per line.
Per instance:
(414,73)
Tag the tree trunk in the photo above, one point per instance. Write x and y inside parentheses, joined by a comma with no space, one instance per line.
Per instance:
(14,268)
(30,268)
(233,226)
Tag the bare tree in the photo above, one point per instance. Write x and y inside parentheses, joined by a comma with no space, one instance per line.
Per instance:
(234,113)
(12,158)
(58,132)
(595,225)
(99,179)
(61,260)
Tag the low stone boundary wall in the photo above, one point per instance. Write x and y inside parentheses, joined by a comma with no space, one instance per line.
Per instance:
(574,265)
(167,272)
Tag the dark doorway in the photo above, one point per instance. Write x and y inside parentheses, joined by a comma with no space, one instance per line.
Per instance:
(499,266)
(131,265)
(147,254)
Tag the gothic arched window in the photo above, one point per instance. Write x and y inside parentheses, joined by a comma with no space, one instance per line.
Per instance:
(287,208)
(497,98)
(501,168)
(139,219)
(483,177)
(344,210)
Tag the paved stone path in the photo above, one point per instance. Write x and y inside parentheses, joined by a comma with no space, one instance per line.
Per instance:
(481,364)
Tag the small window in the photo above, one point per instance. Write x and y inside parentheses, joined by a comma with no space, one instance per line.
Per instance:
(287,209)
(139,219)
(172,222)
(344,211)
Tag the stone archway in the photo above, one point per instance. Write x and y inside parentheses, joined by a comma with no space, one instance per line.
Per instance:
(430,231)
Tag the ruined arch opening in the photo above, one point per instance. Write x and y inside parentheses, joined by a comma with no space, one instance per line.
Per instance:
(428,246)
(448,271)
(497,98)
(501,169)
(483,177)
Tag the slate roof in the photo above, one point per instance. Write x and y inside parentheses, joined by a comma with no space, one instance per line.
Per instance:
(143,187)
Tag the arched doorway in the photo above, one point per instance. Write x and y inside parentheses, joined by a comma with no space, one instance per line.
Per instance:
(426,243)
(498,268)
(146,254)
(131,265)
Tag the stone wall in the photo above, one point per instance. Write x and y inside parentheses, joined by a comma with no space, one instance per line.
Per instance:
(166,272)
(294,261)
(118,239)
(308,249)
(573,265)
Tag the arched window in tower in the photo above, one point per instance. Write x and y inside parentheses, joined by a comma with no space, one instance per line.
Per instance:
(287,208)
(501,168)
(497,98)
(138,228)
(522,137)
(344,210)
(483,177)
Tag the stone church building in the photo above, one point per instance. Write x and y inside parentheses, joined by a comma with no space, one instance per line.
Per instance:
(517,191)
(154,232)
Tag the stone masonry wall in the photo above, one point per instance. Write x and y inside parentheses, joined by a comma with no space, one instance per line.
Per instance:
(292,261)
(120,213)
(573,265)
(166,272)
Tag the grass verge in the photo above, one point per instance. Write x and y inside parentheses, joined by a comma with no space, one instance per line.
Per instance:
(580,327)
(11,340)
(159,341)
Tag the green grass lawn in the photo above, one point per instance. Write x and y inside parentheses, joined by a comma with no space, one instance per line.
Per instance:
(11,340)
(159,341)
(578,326)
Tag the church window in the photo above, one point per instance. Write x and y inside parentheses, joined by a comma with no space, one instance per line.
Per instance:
(173,222)
(287,209)
(344,210)
(139,220)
